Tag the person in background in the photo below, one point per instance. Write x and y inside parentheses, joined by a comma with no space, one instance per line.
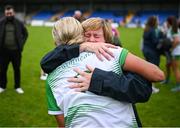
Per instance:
(71,101)
(174,35)
(13,35)
(78,15)
(151,37)
(164,47)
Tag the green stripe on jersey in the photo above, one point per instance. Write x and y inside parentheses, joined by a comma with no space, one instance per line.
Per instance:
(77,111)
(123,56)
(52,105)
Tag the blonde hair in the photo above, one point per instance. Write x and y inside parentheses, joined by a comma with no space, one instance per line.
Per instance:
(93,24)
(68,30)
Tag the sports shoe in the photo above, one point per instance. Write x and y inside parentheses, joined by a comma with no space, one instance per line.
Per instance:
(175,89)
(19,90)
(2,90)
(44,77)
(155,90)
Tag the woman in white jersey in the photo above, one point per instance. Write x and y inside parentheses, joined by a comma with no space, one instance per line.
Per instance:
(87,109)
(174,35)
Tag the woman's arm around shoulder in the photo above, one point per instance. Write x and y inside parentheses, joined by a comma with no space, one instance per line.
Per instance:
(148,70)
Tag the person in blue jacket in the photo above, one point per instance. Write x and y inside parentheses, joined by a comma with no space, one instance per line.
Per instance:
(151,38)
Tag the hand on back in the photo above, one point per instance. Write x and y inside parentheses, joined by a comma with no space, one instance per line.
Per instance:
(82,81)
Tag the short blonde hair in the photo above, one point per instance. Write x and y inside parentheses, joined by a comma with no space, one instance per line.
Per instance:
(93,24)
(68,30)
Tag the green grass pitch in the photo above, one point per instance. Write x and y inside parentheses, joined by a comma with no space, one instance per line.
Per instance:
(30,109)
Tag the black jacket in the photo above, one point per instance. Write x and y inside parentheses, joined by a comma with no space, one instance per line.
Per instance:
(21,33)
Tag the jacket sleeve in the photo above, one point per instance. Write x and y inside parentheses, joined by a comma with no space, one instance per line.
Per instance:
(128,87)
(58,56)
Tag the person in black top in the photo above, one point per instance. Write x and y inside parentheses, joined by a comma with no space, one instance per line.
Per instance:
(151,38)
(13,35)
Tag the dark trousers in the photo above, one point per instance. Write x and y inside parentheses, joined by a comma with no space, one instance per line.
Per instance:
(7,56)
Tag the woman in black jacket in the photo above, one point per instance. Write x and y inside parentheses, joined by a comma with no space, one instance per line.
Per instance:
(151,37)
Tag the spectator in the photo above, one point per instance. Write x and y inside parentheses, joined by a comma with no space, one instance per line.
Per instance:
(174,35)
(78,15)
(13,35)
(164,46)
(151,37)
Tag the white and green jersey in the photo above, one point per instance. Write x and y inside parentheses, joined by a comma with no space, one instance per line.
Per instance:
(170,35)
(86,109)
